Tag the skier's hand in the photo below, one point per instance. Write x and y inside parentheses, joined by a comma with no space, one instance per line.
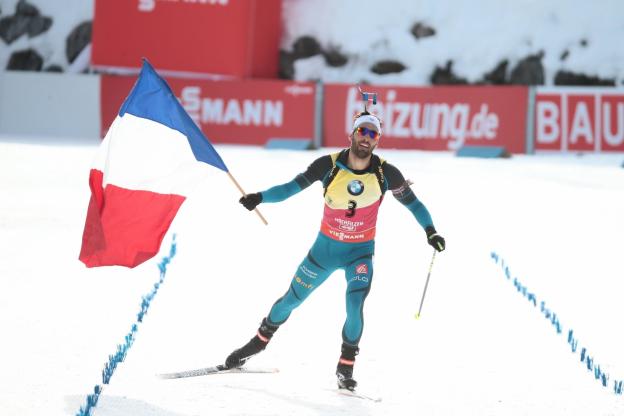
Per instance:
(251,201)
(435,240)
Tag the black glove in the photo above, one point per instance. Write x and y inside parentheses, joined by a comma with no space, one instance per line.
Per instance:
(251,201)
(435,240)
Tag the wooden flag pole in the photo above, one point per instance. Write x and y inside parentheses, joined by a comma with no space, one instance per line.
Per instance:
(244,194)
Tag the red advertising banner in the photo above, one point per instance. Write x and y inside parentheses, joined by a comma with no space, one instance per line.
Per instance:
(238,38)
(433,118)
(579,119)
(236,112)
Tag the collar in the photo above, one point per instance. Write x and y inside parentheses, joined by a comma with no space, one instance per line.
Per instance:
(343,160)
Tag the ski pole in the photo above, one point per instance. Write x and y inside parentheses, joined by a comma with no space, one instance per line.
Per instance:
(426,284)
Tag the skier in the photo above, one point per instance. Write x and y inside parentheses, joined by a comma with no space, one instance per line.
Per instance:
(354,182)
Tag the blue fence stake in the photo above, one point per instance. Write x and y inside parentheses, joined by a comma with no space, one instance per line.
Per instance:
(122,349)
(553,318)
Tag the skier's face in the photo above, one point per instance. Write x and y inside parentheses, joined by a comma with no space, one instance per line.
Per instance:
(362,144)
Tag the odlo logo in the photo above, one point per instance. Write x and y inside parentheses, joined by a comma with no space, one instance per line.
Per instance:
(355,187)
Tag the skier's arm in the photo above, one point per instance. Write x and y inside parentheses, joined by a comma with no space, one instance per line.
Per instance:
(401,190)
(315,172)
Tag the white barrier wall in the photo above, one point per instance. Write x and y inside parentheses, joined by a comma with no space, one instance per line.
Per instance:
(49,104)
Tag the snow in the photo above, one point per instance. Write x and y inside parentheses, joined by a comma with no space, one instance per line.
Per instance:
(51,45)
(480,347)
(476,36)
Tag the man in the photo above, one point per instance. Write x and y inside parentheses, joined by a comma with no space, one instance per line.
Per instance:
(354,182)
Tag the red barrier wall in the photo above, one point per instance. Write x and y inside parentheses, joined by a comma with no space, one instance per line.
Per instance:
(579,119)
(241,112)
(238,38)
(433,118)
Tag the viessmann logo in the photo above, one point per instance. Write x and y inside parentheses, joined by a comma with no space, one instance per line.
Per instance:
(231,111)
(403,119)
(150,5)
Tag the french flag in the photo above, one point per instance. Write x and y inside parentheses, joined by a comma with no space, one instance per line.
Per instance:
(150,159)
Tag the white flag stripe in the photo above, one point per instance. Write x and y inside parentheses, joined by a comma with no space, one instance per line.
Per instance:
(141,154)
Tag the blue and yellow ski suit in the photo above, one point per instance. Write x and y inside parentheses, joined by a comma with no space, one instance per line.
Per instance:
(347,236)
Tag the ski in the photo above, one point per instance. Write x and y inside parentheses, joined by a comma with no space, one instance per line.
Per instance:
(218,369)
(353,393)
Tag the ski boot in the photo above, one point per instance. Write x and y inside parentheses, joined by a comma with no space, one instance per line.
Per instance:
(344,370)
(255,345)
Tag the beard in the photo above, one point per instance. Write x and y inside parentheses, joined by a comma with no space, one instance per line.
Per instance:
(361,152)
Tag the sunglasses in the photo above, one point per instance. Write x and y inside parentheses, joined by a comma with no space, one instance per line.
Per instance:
(364,131)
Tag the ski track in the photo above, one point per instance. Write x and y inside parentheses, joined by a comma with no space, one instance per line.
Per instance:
(478,348)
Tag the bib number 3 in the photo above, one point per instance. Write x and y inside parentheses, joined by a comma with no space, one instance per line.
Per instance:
(351,209)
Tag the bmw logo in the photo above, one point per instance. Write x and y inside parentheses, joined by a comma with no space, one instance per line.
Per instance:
(355,187)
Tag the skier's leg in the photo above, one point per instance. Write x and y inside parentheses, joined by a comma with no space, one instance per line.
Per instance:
(309,275)
(344,370)
(359,277)
(255,345)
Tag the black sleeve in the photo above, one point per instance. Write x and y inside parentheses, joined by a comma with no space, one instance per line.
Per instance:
(398,185)
(315,172)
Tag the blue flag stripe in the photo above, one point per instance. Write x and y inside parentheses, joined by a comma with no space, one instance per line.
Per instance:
(152,98)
